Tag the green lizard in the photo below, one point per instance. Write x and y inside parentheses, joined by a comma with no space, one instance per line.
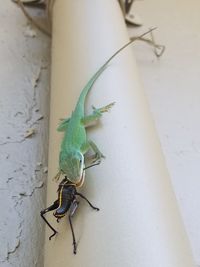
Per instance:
(75,143)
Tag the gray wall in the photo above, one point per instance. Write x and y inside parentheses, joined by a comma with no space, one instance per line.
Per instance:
(24,104)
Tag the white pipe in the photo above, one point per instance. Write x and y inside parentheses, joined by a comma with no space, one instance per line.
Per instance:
(139,222)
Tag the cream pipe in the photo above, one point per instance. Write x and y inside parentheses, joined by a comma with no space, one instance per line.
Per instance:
(139,222)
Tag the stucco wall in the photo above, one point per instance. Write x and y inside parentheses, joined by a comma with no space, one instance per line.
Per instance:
(24,104)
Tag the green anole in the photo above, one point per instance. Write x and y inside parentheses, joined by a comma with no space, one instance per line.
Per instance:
(75,143)
(72,161)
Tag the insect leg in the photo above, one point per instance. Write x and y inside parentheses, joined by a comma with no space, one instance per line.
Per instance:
(95,208)
(50,208)
(73,208)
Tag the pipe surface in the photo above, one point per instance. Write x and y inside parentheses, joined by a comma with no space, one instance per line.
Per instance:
(139,223)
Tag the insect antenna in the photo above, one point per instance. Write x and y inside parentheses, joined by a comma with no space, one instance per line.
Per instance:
(90,166)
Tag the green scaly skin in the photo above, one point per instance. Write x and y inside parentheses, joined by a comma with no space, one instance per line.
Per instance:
(75,142)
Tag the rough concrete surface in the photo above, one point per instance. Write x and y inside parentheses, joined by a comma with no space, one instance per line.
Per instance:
(24,104)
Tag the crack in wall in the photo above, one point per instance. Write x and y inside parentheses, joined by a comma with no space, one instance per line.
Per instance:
(9,243)
(25,194)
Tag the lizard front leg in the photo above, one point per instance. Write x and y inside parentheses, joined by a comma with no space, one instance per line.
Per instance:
(97,156)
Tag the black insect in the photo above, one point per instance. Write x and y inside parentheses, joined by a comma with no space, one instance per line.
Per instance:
(65,202)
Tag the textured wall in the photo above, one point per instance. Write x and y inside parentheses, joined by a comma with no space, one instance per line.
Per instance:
(24,101)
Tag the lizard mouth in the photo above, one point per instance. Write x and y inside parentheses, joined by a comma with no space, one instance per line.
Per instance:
(81,181)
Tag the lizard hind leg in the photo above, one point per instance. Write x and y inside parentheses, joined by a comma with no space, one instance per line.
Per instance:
(63,125)
(103,109)
(96,114)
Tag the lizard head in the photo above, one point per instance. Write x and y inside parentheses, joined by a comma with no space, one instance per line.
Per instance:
(72,165)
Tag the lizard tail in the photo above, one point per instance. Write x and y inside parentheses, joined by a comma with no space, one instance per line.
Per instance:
(90,83)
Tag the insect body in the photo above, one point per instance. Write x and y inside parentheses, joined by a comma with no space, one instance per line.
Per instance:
(66,202)
(74,146)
